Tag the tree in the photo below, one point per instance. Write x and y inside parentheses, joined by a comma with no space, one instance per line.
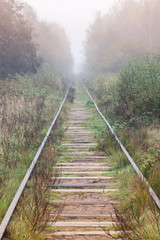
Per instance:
(17,50)
(52,43)
(54,47)
(130,30)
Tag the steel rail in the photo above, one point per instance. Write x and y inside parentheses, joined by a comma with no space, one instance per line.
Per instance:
(19,192)
(137,170)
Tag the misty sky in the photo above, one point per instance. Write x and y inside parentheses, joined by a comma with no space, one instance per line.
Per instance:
(75,16)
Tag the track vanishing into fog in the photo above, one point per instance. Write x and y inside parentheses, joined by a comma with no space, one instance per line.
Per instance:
(86,186)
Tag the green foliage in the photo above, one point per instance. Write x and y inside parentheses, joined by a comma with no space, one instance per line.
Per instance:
(138,89)
(146,164)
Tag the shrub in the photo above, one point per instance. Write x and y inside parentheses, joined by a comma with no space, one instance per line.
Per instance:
(138,88)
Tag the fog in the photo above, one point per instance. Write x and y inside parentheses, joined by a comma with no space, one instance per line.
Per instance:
(130,31)
(75,16)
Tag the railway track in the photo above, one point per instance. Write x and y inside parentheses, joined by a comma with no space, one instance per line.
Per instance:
(86,186)
(86,189)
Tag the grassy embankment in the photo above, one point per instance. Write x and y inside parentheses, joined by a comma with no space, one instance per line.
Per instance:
(33,213)
(130,101)
(27,106)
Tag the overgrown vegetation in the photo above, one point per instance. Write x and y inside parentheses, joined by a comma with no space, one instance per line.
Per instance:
(33,213)
(138,90)
(28,105)
(138,216)
(123,74)
(138,129)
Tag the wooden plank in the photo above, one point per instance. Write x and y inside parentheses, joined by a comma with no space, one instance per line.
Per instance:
(83,216)
(84,178)
(82,167)
(95,202)
(79,160)
(91,185)
(91,172)
(80,144)
(74,123)
(79,128)
(84,190)
(73,152)
(81,224)
(95,157)
(83,233)
(82,164)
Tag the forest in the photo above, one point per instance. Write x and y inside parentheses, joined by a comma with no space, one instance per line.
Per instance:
(26,43)
(128,31)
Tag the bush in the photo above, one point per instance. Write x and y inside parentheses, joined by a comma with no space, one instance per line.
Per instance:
(138,88)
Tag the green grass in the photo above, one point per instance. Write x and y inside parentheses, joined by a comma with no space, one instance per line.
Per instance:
(29,104)
(27,212)
(130,105)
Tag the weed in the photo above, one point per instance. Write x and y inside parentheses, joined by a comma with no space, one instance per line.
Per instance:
(154,178)
(134,226)
(27,107)
(137,215)
(34,209)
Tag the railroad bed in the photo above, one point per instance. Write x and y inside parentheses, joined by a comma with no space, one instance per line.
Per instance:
(85,186)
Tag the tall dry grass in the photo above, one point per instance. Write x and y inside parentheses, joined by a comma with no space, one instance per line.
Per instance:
(27,106)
